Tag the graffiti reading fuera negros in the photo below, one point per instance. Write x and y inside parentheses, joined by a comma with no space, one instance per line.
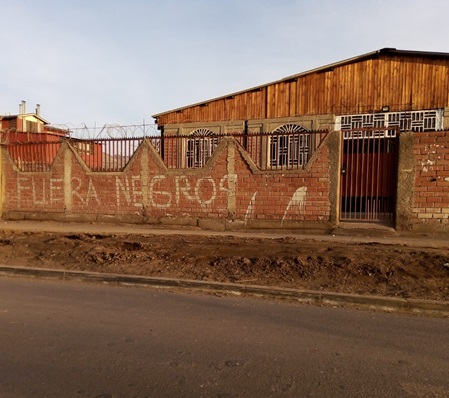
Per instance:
(162,191)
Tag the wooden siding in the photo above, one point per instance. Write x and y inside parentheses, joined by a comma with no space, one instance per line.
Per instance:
(401,82)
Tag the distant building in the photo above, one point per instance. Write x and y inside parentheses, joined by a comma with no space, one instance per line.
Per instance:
(28,127)
(43,141)
(369,100)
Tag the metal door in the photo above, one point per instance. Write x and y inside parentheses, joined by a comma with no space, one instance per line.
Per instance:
(368,175)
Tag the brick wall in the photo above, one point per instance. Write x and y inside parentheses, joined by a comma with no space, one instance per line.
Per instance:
(431,184)
(229,192)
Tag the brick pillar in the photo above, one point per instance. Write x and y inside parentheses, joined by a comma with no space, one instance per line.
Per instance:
(406,183)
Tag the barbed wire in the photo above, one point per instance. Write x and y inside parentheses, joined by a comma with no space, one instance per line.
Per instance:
(109,130)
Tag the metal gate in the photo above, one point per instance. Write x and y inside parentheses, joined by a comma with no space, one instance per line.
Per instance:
(369,174)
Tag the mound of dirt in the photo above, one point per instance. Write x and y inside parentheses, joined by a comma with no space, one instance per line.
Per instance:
(362,268)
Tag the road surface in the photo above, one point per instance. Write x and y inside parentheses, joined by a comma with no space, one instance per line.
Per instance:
(61,339)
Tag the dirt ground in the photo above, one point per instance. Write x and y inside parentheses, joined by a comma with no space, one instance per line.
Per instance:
(363,268)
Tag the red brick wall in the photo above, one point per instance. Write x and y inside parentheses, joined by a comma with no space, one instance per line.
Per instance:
(431,191)
(230,189)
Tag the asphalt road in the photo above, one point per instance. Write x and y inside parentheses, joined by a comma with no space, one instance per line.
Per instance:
(61,339)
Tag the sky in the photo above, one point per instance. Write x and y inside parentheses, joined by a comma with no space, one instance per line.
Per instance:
(97,62)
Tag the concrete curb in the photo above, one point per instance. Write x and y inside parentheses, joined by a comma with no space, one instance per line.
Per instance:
(390,304)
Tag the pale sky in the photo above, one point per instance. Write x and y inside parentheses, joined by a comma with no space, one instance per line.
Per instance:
(119,62)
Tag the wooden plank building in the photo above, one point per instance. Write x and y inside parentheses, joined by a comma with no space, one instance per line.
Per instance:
(368,101)
(387,80)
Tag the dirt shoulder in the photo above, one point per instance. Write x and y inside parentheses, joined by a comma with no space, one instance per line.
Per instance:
(397,266)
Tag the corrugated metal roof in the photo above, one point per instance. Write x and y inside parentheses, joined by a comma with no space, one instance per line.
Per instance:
(370,55)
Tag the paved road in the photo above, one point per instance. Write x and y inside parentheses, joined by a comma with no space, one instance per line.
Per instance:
(60,339)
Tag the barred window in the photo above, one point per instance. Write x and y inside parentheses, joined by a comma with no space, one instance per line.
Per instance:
(289,146)
(200,147)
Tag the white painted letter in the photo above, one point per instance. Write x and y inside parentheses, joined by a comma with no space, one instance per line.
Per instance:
(155,180)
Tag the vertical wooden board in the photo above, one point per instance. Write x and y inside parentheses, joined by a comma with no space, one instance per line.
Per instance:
(227,106)
(357,82)
(424,85)
(248,105)
(346,93)
(381,80)
(403,70)
(373,85)
(263,100)
(317,94)
(252,98)
(212,110)
(268,101)
(275,96)
(242,107)
(434,81)
(221,110)
(336,97)
(394,90)
(432,91)
(361,78)
(444,88)
(286,110)
(300,95)
(412,71)
(357,79)
(292,98)
(256,104)
(262,110)
(306,93)
(400,77)
(327,91)
(236,109)
(438,84)
(421,78)
(320,102)
(280,100)
(273,100)
(386,71)
(418,89)
(333,90)
(368,94)
(386,87)
(341,91)
(316,97)
(414,91)
(313,97)
(350,95)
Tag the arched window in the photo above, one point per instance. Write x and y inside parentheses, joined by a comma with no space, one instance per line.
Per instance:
(200,147)
(289,146)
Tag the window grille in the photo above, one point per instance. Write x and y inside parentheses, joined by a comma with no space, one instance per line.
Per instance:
(200,148)
(289,146)
(418,121)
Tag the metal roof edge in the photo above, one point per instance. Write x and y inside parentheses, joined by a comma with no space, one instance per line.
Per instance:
(358,58)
